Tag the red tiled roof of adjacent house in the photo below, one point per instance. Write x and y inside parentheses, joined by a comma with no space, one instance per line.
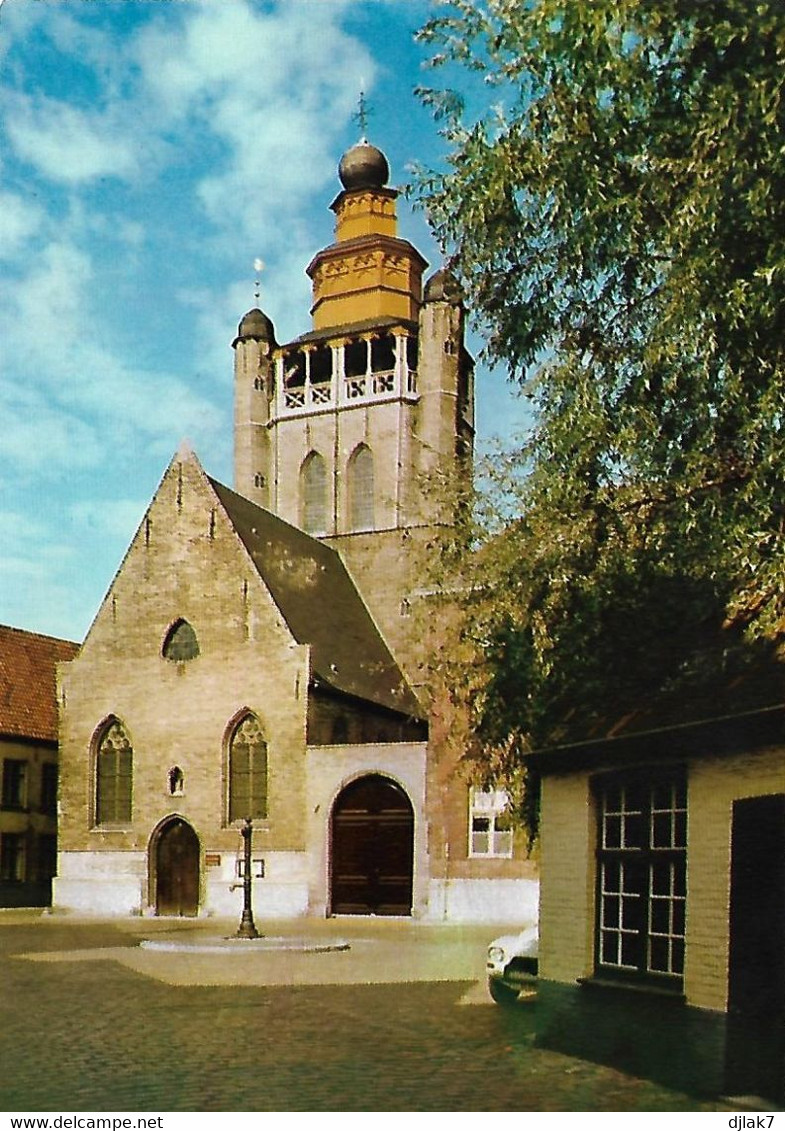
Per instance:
(28,699)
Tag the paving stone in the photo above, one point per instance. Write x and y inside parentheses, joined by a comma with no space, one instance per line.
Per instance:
(85,1027)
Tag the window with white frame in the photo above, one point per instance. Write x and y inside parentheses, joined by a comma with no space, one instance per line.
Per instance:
(490,826)
(642,875)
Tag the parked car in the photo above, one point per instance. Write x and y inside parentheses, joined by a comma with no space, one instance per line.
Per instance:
(512,965)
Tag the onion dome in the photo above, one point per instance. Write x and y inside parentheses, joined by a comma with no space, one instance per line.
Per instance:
(363,167)
(443,287)
(256,324)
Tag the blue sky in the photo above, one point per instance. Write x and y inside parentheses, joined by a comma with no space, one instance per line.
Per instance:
(150,150)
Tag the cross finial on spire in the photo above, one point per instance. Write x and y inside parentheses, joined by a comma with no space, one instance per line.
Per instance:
(362,113)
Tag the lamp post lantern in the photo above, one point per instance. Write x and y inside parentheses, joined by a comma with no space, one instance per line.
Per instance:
(247,928)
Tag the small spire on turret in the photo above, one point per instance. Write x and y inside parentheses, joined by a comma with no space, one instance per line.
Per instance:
(258,266)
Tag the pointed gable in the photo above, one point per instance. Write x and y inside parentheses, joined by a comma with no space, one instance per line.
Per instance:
(319,602)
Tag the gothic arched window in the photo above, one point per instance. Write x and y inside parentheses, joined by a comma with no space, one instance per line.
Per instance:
(180,643)
(313,491)
(247,770)
(113,776)
(361,500)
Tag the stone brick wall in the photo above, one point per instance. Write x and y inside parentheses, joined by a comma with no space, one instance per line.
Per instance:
(567,845)
(185,561)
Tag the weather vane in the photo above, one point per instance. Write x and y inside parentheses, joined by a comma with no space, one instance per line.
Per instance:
(258,266)
(362,113)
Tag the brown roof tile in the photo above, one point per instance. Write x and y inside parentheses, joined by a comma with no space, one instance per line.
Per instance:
(28,702)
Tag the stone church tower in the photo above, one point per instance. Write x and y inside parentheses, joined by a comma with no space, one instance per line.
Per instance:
(357,429)
(257,652)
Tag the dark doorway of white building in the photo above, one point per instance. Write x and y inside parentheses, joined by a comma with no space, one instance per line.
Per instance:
(372,849)
(755,1050)
(177,869)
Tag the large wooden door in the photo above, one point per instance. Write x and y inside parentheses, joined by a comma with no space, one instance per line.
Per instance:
(755,1051)
(372,849)
(177,869)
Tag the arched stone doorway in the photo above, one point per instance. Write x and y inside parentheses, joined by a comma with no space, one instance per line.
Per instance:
(371,849)
(175,852)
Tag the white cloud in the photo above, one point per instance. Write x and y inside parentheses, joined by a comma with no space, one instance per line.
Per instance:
(79,398)
(49,300)
(19,220)
(275,88)
(70,145)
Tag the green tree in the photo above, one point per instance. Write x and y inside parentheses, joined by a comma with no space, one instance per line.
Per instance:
(617,222)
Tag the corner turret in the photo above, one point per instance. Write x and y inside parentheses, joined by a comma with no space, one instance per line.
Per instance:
(254,370)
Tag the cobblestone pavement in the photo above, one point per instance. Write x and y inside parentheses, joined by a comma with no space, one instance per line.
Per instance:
(399,1022)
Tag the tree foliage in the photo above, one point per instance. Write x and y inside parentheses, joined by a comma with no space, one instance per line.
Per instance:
(616,219)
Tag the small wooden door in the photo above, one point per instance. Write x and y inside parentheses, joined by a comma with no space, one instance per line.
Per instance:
(372,849)
(755,1050)
(177,869)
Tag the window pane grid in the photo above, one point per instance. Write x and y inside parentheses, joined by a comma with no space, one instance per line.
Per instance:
(622,820)
(489,831)
(668,827)
(619,914)
(667,899)
(642,881)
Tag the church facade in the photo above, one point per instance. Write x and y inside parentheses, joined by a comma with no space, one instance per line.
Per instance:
(260,651)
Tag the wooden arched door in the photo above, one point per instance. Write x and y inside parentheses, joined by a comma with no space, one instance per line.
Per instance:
(372,849)
(177,869)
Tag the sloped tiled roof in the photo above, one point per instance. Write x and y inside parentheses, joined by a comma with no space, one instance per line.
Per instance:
(318,600)
(329,332)
(28,702)
(737,701)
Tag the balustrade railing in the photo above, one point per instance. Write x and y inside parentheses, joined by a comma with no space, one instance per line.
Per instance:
(370,386)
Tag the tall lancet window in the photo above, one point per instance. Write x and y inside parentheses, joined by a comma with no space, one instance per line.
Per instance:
(313,494)
(113,776)
(360,469)
(247,770)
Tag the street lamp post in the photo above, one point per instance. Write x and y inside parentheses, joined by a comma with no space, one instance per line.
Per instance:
(247,928)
